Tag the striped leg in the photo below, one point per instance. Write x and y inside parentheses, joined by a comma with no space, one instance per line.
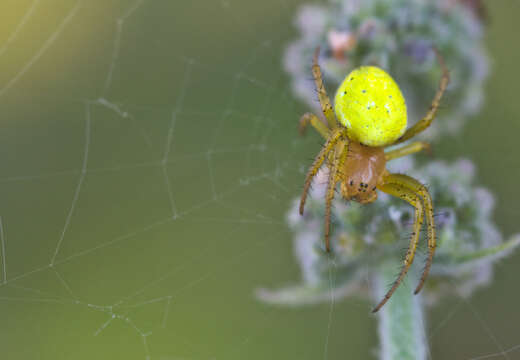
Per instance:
(407,150)
(326,107)
(411,197)
(427,120)
(421,190)
(309,118)
(318,161)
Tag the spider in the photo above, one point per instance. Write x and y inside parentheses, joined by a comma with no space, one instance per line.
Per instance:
(369,115)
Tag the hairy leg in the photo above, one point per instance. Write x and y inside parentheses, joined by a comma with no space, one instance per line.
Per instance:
(421,190)
(329,196)
(326,107)
(411,197)
(407,150)
(427,120)
(309,118)
(335,175)
(342,158)
(318,161)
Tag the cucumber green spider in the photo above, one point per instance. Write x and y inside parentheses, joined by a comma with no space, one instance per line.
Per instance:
(369,115)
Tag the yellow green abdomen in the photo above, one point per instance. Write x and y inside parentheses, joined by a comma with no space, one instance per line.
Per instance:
(370,104)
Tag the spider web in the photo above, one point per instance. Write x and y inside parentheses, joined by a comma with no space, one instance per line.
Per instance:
(149,158)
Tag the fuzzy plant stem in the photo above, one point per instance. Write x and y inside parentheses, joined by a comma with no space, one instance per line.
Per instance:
(401,320)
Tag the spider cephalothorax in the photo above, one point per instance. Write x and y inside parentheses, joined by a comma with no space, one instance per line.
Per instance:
(364,169)
(370,114)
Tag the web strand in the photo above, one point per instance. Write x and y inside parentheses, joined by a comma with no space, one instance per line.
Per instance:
(4,261)
(19,27)
(80,182)
(46,45)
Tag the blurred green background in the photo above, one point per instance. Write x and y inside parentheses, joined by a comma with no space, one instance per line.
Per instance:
(148,157)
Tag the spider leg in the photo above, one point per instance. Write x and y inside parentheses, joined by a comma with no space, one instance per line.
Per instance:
(316,123)
(427,120)
(342,158)
(329,196)
(326,107)
(334,176)
(318,161)
(411,197)
(407,150)
(421,190)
